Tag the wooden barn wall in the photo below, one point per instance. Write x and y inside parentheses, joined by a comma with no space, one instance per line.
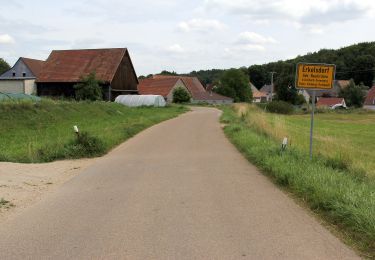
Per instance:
(124,78)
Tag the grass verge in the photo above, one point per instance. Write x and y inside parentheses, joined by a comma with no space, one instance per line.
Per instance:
(43,132)
(340,197)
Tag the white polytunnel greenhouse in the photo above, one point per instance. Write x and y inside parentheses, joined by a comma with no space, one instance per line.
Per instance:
(141,100)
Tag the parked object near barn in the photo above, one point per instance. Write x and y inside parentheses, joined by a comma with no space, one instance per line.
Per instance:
(18,96)
(141,100)
(332,103)
(21,77)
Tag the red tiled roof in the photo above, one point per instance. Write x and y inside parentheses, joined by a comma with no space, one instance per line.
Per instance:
(156,86)
(70,65)
(323,101)
(370,98)
(259,94)
(34,65)
(343,83)
(195,88)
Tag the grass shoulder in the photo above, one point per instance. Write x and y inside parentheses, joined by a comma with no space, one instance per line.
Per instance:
(335,193)
(43,132)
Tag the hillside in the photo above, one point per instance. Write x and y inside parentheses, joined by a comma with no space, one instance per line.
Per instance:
(356,61)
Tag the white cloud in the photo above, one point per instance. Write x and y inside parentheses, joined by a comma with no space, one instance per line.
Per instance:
(175,48)
(311,12)
(201,25)
(254,38)
(6,39)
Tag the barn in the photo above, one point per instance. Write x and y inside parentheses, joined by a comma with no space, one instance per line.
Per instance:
(64,68)
(164,85)
(20,79)
(160,86)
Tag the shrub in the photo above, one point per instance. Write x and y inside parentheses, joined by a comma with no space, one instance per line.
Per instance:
(85,145)
(280,107)
(89,88)
(181,95)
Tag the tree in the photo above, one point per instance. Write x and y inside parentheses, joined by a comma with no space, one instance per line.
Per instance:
(363,68)
(234,83)
(168,73)
(353,95)
(258,75)
(181,95)
(4,66)
(88,88)
(285,89)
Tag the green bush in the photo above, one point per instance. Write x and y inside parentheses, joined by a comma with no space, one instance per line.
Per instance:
(280,107)
(85,145)
(89,88)
(181,95)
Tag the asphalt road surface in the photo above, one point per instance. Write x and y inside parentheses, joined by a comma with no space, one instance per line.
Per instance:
(178,190)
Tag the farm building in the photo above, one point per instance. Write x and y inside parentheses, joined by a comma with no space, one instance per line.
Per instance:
(21,77)
(163,85)
(330,102)
(370,99)
(259,96)
(64,68)
(160,86)
(334,92)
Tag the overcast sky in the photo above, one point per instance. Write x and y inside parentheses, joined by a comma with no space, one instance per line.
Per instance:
(185,35)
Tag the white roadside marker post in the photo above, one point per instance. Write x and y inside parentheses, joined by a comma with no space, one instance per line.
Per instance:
(76,130)
(284,144)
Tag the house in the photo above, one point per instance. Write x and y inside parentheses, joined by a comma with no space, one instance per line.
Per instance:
(192,84)
(258,96)
(160,86)
(338,85)
(370,99)
(21,77)
(269,90)
(330,102)
(64,68)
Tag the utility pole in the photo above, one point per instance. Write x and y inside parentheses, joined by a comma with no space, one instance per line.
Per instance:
(272,73)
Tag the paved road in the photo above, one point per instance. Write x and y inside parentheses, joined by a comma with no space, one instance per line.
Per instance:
(178,190)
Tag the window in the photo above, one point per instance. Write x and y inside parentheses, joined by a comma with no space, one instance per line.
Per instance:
(14,73)
(23,74)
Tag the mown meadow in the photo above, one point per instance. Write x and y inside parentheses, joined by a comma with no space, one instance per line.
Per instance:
(43,131)
(338,184)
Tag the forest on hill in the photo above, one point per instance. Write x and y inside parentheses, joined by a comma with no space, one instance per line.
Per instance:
(353,62)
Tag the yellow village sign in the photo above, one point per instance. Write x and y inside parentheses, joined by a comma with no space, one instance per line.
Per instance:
(315,76)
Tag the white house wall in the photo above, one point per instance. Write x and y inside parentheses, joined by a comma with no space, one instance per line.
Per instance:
(25,86)
(30,86)
(178,84)
(11,86)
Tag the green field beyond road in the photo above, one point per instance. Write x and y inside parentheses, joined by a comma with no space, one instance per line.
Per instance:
(43,131)
(346,138)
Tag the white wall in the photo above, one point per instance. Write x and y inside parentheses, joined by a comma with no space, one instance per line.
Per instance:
(11,86)
(179,83)
(26,86)
(369,107)
(30,86)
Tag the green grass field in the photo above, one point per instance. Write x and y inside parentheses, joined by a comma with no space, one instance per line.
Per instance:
(333,187)
(345,138)
(44,131)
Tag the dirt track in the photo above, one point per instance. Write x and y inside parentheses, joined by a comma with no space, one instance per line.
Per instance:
(178,190)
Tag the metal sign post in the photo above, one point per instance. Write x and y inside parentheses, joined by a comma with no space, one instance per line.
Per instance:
(314,76)
(312,123)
